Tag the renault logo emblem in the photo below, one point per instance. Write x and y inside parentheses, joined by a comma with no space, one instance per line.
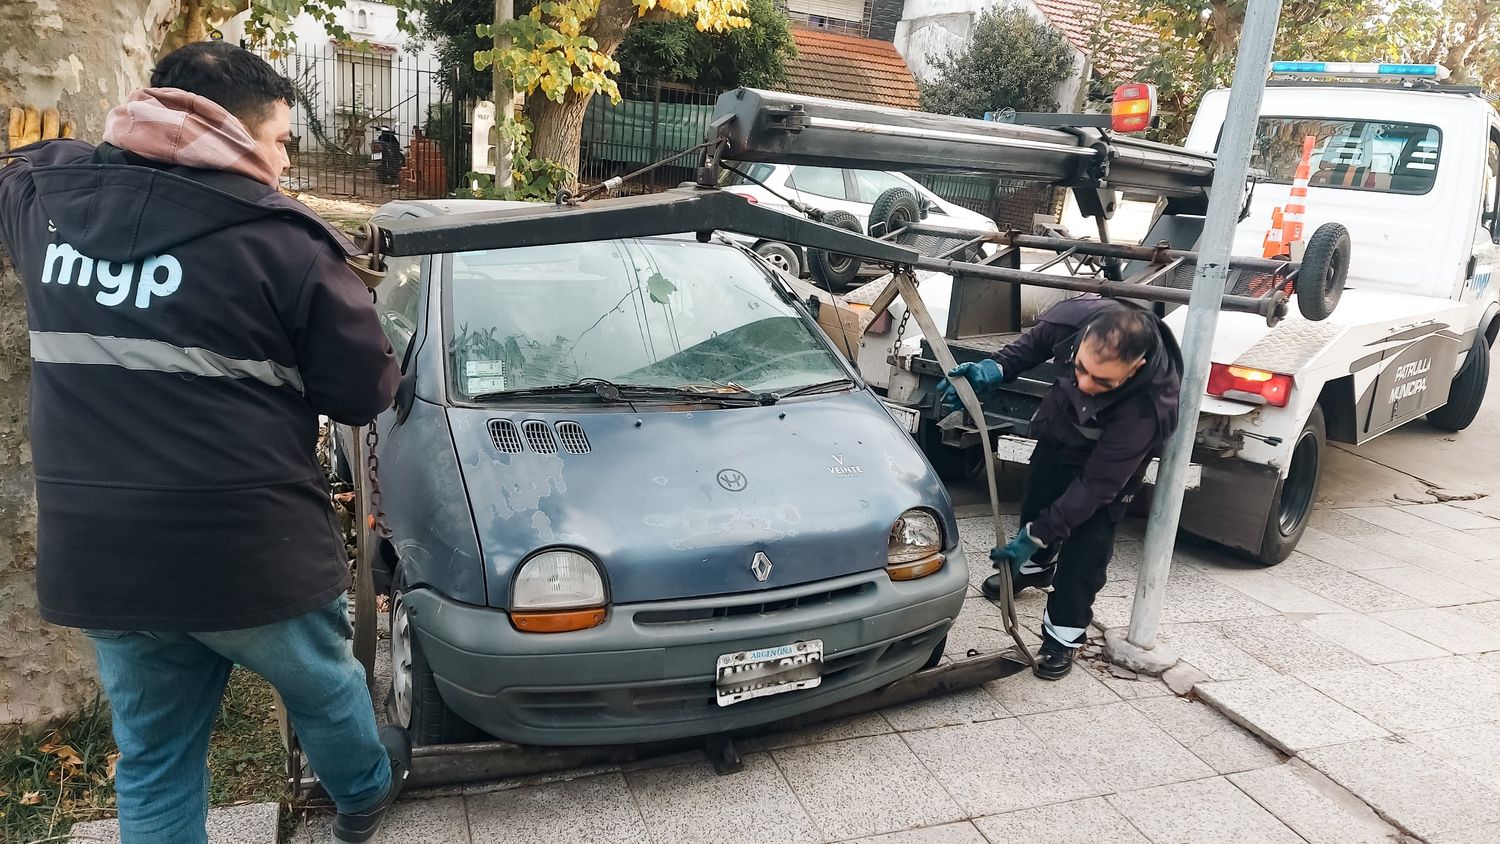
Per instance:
(761,566)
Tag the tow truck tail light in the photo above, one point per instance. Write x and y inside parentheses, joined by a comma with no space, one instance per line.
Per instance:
(1134,107)
(1252,385)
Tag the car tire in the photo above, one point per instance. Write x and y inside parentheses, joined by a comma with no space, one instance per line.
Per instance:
(1321,275)
(414,701)
(937,654)
(1296,494)
(1467,392)
(829,268)
(781,256)
(894,209)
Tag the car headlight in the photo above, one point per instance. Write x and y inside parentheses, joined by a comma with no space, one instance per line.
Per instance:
(916,546)
(556,591)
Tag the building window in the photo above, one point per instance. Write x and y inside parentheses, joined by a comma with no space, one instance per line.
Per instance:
(364,95)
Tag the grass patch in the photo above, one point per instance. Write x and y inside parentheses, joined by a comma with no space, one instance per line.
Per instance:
(49,782)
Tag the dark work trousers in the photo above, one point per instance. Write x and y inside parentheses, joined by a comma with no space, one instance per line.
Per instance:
(1082,558)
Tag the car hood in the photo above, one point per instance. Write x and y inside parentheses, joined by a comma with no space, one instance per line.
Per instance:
(677,503)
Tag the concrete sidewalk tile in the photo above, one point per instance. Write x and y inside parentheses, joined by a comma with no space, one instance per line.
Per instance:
(1315,807)
(1397,519)
(855,726)
(979,626)
(1479,574)
(1340,523)
(969,706)
(952,833)
(1113,610)
(1446,629)
(1348,589)
(1224,745)
(1462,681)
(1347,555)
(1426,586)
(595,809)
(1451,517)
(1370,638)
(1407,785)
(1390,701)
(1117,746)
(999,766)
(1091,821)
(1487,834)
(1287,647)
(1207,811)
(1487,613)
(689,803)
(1288,713)
(1492,534)
(1469,749)
(1471,545)
(252,823)
(1206,648)
(1195,597)
(1410,549)
(1489,660)
(1024,694)
(1141,687)
(1279,594)
(865,786)
(443,820)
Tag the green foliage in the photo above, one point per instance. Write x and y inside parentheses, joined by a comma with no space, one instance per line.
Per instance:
(676,51)
(1011,61)
(448,26)
(532,179)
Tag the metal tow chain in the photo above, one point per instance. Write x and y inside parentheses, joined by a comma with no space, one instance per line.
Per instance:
(372,463)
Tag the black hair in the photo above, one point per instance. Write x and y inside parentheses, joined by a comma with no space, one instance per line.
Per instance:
(1123,334)
(235,78)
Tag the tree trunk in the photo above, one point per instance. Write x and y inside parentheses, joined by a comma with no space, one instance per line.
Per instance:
(557,128)
(83,57)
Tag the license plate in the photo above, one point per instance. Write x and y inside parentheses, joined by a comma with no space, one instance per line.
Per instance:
(907,418)
(376,156)
(746,675)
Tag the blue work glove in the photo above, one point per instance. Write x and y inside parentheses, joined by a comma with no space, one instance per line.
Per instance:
(1017,551)
(984,376)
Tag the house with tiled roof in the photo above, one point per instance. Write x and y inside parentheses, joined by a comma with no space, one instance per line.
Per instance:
(845,51)
(933,28)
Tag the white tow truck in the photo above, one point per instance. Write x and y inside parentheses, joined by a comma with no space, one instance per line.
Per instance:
(1409,167)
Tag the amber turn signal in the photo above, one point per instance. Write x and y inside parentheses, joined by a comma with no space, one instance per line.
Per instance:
(915,569)
(558,621)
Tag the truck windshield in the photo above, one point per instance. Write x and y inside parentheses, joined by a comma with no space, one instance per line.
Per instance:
(1366,155)
(659,313)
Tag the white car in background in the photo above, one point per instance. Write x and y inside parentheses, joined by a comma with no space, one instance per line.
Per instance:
(836,189)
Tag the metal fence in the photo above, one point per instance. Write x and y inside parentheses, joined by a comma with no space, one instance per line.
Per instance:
(652,121)
(351,102)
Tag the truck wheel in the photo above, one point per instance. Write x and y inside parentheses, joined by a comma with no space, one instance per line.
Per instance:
(894,209)
(951,464)
(780,256)
(1296,494)
(1325,265)
(414,702)
(1467,392)
(832,269)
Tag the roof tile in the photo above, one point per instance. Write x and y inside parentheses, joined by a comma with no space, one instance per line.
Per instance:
(846,67)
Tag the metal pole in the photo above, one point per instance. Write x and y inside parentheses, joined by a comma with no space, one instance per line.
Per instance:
(1224,203)
(504,96)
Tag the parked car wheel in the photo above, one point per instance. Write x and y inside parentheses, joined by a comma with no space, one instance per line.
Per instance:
(414,701)
(894,209)
(832,269)
(1296,494)
(937,654)
(780,256)
(1467,393)
(1325,265)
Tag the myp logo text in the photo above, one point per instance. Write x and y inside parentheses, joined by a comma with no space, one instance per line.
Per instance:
(156,276)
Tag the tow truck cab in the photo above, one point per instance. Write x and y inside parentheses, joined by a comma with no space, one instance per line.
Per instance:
(1409,167)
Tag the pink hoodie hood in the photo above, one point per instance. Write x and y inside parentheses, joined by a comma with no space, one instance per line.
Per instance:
(177,127)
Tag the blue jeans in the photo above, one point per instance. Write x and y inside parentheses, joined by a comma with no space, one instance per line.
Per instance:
(165,689)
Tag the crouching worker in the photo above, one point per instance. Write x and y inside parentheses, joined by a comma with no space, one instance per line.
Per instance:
(188,326)
(1113,404)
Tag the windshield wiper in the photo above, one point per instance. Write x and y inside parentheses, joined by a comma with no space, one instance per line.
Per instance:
(611,392)
(820,387)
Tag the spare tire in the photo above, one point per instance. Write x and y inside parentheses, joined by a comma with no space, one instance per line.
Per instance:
(893,210)
(830,268)
(1325,266)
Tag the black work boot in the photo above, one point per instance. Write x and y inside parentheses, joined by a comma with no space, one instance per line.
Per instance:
(360,827)
(1053,661)
(994,585)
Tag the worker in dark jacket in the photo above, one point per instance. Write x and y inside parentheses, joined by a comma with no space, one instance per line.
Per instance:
(1113,404)
(188,326)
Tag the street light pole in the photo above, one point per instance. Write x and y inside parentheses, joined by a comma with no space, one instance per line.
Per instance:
(1138,650)
(504,95)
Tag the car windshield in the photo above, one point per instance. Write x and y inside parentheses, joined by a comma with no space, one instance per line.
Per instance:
(659,313)
(1366,155)
(729,178)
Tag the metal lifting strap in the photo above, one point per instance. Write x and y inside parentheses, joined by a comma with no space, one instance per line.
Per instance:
(907,287)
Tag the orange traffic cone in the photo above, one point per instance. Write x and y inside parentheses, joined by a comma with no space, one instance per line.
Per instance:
(1271,245)
(1296,207)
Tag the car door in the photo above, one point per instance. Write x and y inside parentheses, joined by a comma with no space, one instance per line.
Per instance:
(826,188)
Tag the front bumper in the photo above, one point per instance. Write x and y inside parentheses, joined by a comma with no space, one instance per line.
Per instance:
(647,673)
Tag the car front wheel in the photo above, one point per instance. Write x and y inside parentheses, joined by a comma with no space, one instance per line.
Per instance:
(414,701)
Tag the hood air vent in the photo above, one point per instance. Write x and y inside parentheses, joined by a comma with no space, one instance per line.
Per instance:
(573,438)
(539,437)
(505,436)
